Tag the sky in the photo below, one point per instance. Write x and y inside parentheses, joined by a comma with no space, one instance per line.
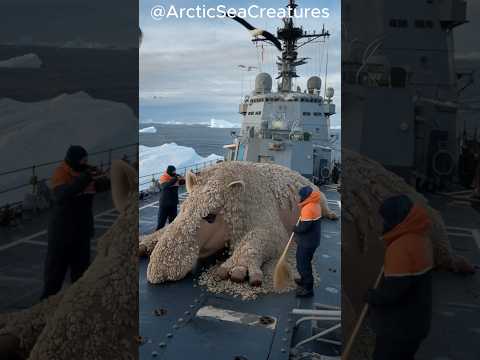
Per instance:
(189,67)
(111,23)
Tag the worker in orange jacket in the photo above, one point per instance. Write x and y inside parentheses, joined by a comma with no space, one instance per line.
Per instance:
(402,305)
(70,227)
(308,232)
(168,202)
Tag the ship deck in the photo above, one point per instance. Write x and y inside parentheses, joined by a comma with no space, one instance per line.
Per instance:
(180,333)
(23,249)
(455,330)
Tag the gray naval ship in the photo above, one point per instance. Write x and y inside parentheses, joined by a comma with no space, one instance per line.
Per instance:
(404,58)
(288,126)
(182,320)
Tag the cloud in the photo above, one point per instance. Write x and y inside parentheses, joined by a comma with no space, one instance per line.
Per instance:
(110,23)
(186,63)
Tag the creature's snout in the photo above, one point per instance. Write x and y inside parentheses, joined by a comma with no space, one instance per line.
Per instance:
(173,258)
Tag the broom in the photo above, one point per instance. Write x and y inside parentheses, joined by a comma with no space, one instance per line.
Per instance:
(356,329)
(282,272)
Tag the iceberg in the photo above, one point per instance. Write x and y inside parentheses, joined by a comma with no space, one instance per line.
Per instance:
(222,124)
(148,130)
(213,123)
(154,160)
(28,61)
(40,132)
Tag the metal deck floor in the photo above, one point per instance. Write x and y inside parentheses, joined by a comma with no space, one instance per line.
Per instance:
(23,250)
(181,334)
(455,330)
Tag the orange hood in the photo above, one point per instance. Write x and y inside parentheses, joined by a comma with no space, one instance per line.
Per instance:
(314,197)
(310,207)
(417,222)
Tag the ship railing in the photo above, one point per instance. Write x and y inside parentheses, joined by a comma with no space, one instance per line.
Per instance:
(153,178)
(326,318)
(33,174)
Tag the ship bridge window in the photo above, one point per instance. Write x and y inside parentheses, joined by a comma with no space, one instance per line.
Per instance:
(399,23)
(424,24)
(306,113)
(317,114)
(258,113)
(419,24)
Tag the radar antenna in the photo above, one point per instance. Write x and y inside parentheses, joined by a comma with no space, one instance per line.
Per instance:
(288,41)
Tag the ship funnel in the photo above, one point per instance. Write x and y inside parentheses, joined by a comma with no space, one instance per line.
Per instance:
(263,83)
(314,83)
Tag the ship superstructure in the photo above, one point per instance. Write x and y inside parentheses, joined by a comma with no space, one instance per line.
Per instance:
(403,59)
(287,126)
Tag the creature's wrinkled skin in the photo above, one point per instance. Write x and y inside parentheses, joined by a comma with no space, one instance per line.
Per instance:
(254,208)
(96,317)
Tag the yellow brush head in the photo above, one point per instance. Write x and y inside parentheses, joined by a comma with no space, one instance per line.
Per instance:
(281,276)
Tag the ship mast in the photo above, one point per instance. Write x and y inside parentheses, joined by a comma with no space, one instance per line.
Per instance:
(290,35)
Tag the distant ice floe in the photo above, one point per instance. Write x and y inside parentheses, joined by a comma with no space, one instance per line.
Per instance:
(213,123)
(28,61)
(156,159)
(223,124)
(148,130)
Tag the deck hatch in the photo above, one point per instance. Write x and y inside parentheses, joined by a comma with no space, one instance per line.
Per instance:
(212,312)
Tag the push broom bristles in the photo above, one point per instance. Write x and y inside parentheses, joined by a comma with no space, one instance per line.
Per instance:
(281,275)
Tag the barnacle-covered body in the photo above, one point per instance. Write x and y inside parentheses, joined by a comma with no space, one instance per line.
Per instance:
(254,208)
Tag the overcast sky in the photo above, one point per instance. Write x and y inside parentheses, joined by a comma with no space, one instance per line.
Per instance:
(189,67)
(56,22)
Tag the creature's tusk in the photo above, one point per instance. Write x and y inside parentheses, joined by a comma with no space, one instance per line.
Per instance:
(241,182)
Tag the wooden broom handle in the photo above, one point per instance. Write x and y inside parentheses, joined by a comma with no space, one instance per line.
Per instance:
(351,340)
(289,241)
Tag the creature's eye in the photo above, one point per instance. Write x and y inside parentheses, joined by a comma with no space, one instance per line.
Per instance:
(210,218)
